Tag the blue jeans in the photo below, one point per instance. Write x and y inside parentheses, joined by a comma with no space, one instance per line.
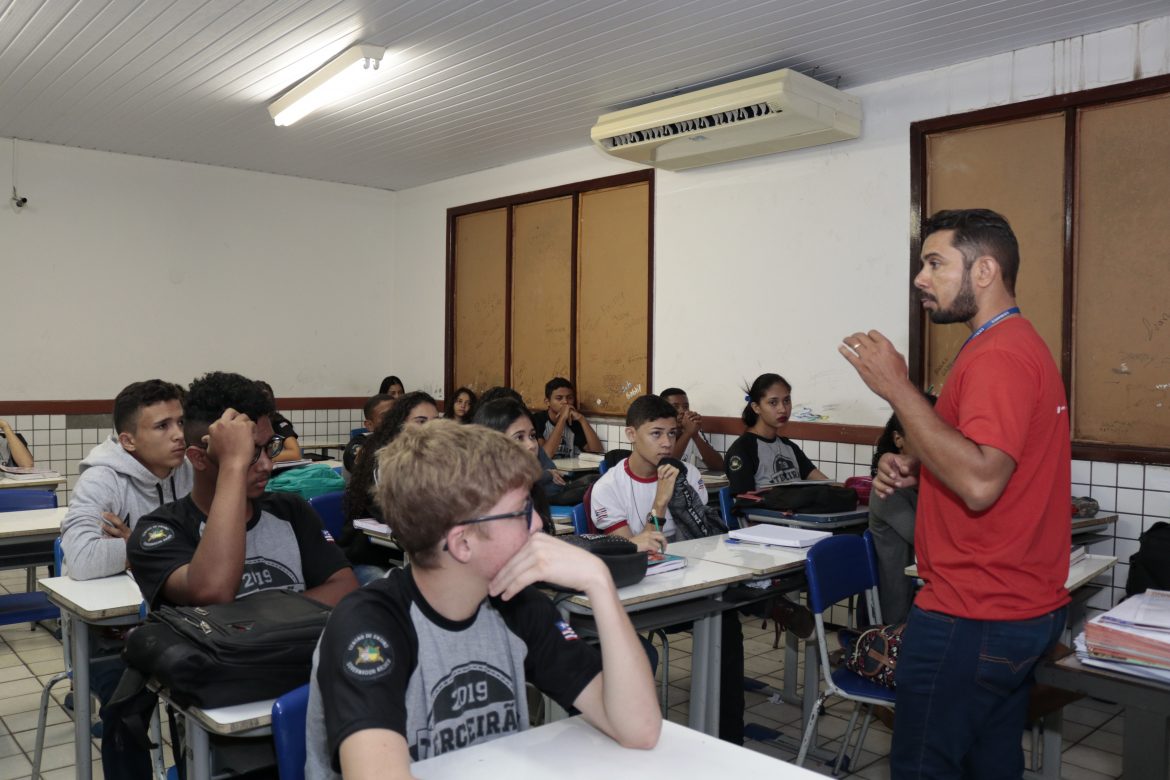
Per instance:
(962,697)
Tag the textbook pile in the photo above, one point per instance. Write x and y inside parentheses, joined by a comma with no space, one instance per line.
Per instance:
(1133,637)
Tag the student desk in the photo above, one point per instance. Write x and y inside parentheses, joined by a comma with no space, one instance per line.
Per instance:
(575,465)
(571,749)
(26,539)
(108,601)
(1079,573)
(48,483)
(834,521)
(253,719)
(679,596)
(714,480)
(322,445)
(1146,743)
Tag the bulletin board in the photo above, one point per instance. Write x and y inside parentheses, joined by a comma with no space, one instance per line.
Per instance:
(479,305)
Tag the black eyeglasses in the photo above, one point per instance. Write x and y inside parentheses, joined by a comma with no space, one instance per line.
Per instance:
(273,447)
(525,512)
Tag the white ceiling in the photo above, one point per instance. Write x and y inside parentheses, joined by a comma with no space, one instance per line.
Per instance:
(468,84)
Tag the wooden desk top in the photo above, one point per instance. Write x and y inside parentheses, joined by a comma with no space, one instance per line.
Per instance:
(47,482)
(571,749)
(31,523)
(94,600)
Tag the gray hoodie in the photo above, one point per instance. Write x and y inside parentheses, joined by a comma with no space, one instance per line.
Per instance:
(112,480)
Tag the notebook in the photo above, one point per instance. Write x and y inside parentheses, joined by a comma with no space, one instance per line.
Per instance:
(779,535)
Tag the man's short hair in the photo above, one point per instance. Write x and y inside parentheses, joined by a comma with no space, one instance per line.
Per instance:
(417,494)
(556,383)
(980,232)
(648,408)
(372,404)
(135,397)
(212,394)
(499,391)
(668,392)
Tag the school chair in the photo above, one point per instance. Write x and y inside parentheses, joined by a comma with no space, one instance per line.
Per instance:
(20,499)
(840,568)
(331,508)
(32,606)
(730,519)
(357,431)
(580,520)
(288,732)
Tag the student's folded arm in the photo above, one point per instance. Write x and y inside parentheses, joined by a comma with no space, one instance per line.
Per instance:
(214,573)
(291,451)
(373,754)
(592,443)
(332,590)
(89,553)
(711,458)
(553,441)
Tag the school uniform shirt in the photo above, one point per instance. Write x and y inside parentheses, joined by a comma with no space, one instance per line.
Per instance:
(388,660)
(753,461)
(691,455)
(286,546)
(281,426)
(620,498)
(572,438)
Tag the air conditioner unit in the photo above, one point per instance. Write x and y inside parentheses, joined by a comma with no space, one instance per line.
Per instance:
(772,112)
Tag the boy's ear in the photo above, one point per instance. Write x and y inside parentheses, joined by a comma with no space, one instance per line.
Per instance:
(127,441)
(455,543)
(198,458)
(630,431)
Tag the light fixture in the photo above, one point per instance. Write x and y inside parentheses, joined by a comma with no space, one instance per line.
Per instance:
(343,75)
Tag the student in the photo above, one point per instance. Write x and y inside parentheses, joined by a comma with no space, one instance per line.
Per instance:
(130,474)
(564,432)
(552,482)
(512,418)
(373,410)
(229,538)
(13,449)
(435,656)
(762,456)
(461,406)
(141,466)
(691,446)
(392,386)
(282,428)
(891,522)
(368,559)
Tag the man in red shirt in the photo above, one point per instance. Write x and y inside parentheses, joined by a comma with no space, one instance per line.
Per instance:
(992,533)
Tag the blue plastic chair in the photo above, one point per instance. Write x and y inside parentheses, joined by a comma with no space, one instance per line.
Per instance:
(580,523)
(730,519)
(288,732)
(357,431)
(34,605)
(20,499)
(837,569)
(331,508)
(602,468)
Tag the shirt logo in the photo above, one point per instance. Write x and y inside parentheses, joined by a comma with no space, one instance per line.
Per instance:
(566,630)
(156,535)
(735,464)
(368,656)
(1061,409)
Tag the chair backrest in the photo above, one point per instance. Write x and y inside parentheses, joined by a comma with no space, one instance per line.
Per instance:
(580,519)
(357,431)
(288,732)
(602,468)
(730,519)
(586,502)
(837,568)
(331,508)
(17,499)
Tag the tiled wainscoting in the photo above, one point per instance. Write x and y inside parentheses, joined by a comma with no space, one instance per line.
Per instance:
(1139,494)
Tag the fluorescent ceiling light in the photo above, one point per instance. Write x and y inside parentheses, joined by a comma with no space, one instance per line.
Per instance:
(343,75)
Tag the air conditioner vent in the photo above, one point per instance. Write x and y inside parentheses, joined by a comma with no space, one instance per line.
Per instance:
(697,124)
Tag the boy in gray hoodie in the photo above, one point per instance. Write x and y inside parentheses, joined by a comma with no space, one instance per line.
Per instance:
(140,467)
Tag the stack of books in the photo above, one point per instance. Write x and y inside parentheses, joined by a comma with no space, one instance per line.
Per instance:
(27,472)
(1133,637)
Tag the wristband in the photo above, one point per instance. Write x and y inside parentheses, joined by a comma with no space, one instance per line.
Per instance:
(657,522)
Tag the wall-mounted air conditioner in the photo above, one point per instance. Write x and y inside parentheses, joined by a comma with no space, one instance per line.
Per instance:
(772,112)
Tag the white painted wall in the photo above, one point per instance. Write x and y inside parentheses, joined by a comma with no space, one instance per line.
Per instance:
(765,264)
(124,268)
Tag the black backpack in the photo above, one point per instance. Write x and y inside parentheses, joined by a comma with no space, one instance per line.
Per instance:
(806,498)
(1149,567)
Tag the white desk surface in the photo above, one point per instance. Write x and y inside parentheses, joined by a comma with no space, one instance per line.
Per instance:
(571,748)
(1079,573)
(31,522)
(48,482)
(236,718)
(574,464)
(322,444)
(713,480)
(92,600)
(759,560)
(697,578)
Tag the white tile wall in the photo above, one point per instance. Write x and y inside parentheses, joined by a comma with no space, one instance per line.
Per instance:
(58,447)
(1139,494)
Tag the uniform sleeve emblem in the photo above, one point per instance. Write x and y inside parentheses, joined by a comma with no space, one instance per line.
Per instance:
(735,464)
(566,630)
(156,536)
(368,656)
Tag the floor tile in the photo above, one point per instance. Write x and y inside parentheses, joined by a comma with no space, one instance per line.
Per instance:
(14,766)
(1096,760)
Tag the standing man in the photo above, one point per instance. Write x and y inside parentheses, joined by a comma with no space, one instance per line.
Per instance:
(992,535)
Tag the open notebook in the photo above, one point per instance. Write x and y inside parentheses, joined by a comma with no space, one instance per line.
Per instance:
(779,535)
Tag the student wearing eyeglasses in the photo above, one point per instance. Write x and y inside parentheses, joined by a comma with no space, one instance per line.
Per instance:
(229,538)
(435,656)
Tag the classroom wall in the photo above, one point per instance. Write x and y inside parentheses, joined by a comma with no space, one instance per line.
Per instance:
(766,264)
(125,267)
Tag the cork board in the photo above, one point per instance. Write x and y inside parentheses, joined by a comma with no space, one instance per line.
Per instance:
(1017,169)
(613,312)
(480,286)
(542,291)
(1121,359)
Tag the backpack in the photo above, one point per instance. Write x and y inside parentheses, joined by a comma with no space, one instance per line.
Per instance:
(307,481)
(692,518)
(874,653)
(254,648)
(805,498)
(1149,567)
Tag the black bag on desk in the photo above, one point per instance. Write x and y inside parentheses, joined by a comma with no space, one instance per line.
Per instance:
(254,648)
(1149,567)
(810,499)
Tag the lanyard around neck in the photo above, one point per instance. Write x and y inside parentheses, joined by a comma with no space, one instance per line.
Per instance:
(991,323)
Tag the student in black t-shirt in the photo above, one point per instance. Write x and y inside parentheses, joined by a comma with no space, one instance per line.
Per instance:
(282,427)
(564,432)
(229,538)
(374,410)
(762,456)
(435,657)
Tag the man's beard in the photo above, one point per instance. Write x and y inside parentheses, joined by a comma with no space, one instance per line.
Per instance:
(962,309)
